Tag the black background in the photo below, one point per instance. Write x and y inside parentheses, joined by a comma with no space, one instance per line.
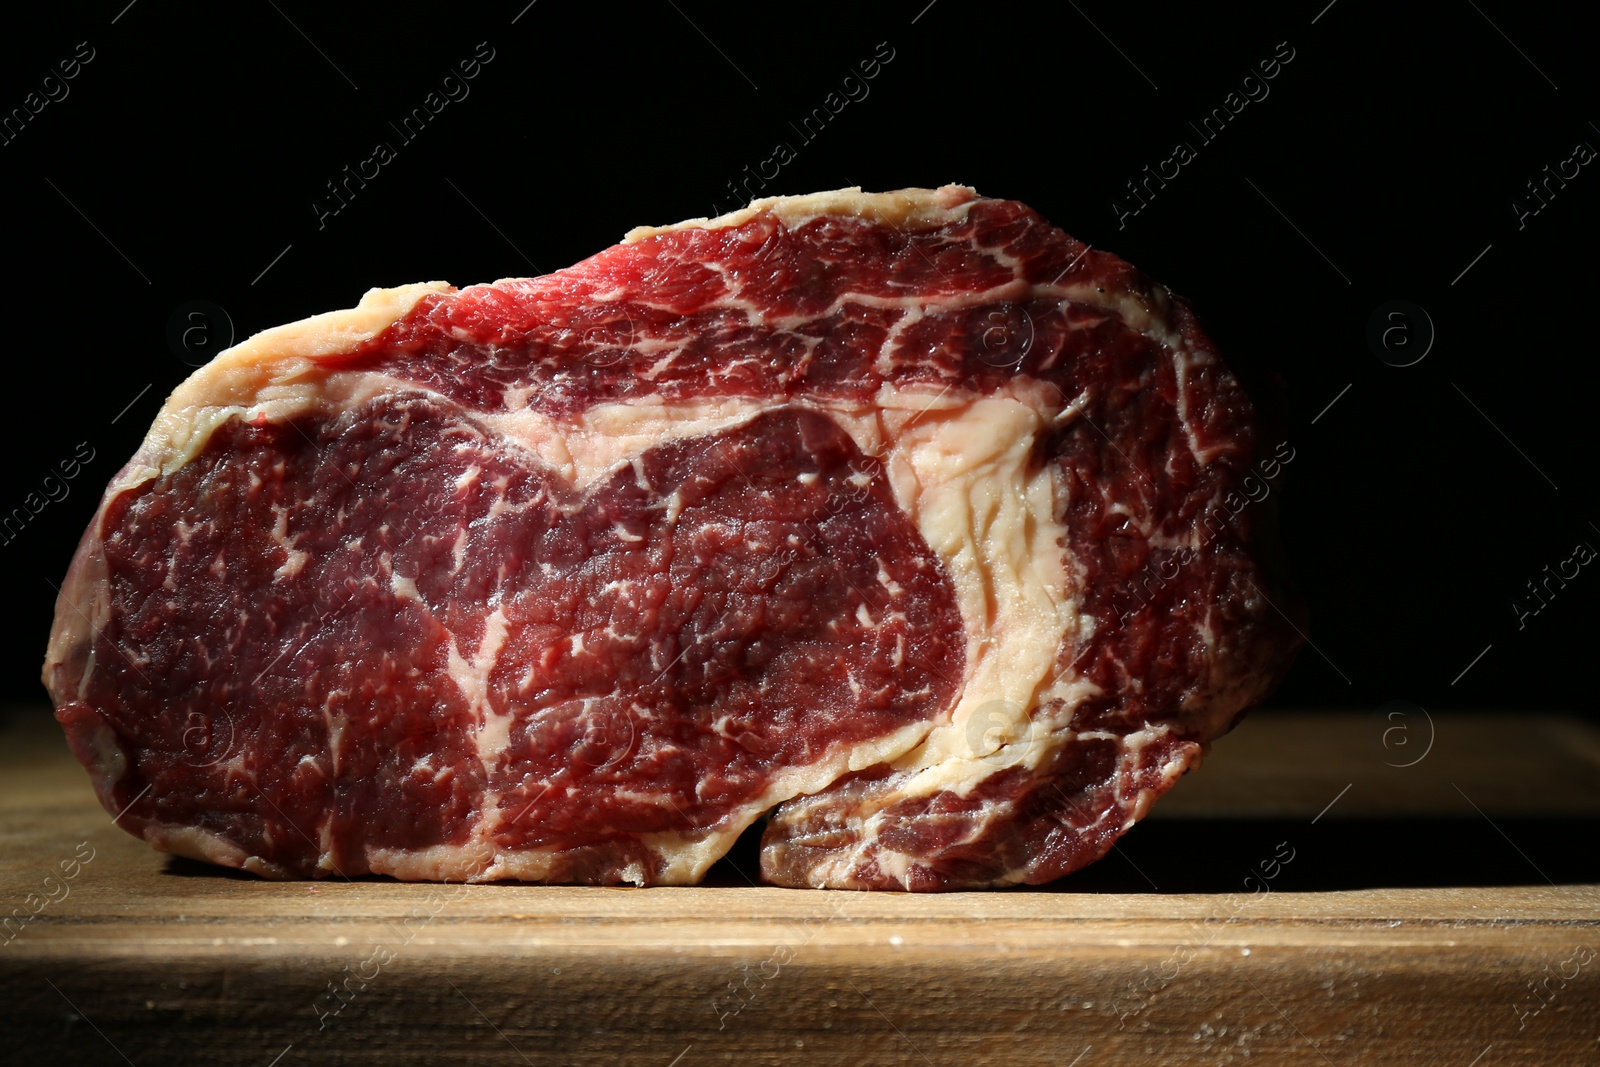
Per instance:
(183,163)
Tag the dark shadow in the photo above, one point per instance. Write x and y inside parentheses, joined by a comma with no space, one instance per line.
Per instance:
(182,867)
(741,865)
(1237,855)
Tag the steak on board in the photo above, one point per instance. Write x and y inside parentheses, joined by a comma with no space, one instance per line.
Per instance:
(903,519)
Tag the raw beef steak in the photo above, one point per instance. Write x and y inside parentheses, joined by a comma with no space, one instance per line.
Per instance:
(904,517)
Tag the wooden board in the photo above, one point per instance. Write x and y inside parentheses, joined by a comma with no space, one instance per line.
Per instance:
(1302,899)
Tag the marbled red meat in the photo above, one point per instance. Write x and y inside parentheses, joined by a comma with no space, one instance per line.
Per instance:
(842,510)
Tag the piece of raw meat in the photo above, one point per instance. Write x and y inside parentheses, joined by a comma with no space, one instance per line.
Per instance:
(904,517)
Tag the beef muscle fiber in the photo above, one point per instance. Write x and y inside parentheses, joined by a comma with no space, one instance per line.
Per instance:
(899,518)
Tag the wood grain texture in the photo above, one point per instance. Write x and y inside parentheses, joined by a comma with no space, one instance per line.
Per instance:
(1404,926)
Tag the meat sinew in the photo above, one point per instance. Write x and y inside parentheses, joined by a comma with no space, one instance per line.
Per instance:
(904,517)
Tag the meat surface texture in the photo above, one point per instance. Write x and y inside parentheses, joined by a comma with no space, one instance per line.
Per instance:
(904,520)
